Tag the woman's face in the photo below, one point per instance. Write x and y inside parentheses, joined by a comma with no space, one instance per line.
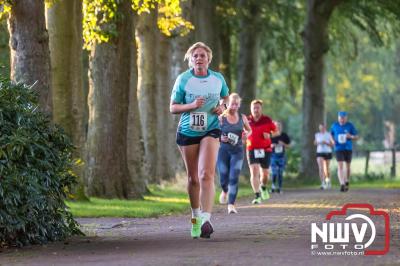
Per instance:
(200,58)
(234,104)
(322,128)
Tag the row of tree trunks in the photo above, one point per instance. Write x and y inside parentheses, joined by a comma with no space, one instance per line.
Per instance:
(124,97)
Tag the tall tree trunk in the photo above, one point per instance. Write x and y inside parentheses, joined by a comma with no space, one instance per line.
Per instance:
(207,28)
(29,45)
(107,167)
(316,45)
(147,33)
(396,101)
(225,66)
(64,22)
(165,125)
(249,47)
(180,44)
(135,145)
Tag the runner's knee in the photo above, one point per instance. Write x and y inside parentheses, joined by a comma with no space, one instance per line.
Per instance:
(193,181)
(206,175)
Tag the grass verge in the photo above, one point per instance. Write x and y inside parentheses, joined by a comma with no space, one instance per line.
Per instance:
(172,200)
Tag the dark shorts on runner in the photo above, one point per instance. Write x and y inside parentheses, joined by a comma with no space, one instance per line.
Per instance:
(344,156)
(325,155)
(264,162)
(183,140)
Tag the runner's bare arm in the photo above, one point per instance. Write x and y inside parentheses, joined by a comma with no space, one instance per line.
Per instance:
(352,137)
(177,108)
(246,124)
(274,133)
(219,109)
(331,142)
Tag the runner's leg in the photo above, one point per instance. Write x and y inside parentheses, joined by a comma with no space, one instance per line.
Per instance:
(236,164)
(190,155)
(255,177)
(207,162)
(223,169)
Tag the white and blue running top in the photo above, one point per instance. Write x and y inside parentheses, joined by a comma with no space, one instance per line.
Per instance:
(186,89)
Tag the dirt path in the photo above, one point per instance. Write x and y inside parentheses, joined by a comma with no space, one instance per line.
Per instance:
(274,233)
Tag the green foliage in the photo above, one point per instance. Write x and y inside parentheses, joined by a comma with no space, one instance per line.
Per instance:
(35,163)
(4,50)
(370,177)
(292,161)
(100,18)
(366,86)
(378,19)
(170,18)
(281,71)
(5,7)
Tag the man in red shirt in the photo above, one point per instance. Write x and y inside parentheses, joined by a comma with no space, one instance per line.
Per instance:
(259,150)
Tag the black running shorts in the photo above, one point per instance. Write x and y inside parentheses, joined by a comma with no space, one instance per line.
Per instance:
(264,162)
(344,156)
(325,155)
(183,140)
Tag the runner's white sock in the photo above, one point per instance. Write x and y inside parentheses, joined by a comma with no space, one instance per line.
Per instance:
(196,212)
(206,216)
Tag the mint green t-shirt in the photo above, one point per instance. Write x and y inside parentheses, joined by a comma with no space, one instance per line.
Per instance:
(186,89)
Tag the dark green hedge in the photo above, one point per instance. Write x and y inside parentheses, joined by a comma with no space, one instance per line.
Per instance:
(35,176)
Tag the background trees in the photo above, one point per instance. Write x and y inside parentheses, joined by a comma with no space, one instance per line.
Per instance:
(306,60)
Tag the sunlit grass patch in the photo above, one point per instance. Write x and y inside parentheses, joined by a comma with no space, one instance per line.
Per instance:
(159,202)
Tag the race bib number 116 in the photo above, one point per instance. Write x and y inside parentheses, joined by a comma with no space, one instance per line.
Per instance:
(198,121)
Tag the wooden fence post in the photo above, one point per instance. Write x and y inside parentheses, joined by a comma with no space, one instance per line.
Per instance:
(366,162)
(393,168)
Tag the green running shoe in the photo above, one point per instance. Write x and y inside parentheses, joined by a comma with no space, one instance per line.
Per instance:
(264,193)
(256,201)
(196,227)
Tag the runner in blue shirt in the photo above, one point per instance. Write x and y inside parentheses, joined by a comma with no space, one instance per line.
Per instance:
(196,96)
(343,133)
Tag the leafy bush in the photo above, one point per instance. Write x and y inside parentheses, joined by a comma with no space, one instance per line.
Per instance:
(35,158)
(293,161)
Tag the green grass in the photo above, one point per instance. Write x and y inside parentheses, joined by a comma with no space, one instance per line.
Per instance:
(385,183)
(159,202)
(164,201)
(172,200)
